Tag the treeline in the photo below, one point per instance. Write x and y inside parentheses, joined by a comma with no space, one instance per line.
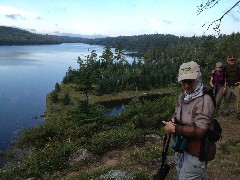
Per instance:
(111,73)
(170,49)
(164,44)
(170,46)
(15,36)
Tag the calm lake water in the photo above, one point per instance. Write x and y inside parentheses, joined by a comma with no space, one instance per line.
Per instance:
(27,75)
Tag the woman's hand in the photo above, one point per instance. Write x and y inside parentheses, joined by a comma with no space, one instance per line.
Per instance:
(169,126)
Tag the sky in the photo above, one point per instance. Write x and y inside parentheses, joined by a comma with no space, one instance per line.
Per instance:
(117,17)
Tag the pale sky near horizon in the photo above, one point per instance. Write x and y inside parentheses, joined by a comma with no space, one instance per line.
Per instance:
(116,17)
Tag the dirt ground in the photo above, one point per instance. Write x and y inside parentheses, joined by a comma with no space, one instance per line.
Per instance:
(226,165)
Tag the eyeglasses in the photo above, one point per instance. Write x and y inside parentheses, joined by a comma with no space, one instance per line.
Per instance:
(188,81)
(231,59)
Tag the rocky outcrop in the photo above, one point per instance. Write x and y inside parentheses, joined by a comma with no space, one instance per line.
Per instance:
(153,138)
(116,174)
(81,154)
(18,155)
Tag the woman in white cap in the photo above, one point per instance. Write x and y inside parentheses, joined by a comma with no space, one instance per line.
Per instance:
(192,117)
(218,83)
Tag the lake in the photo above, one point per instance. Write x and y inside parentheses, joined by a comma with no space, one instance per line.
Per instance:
(27,75)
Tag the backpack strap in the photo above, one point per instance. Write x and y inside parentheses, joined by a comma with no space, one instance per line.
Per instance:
(210,126)
(210,92)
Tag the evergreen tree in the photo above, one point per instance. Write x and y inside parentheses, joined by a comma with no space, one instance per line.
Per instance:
(54,97)
(57,87)
(87,74)
(66,99)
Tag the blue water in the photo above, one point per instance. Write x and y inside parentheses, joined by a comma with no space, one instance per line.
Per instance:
(116,110)
(27,75)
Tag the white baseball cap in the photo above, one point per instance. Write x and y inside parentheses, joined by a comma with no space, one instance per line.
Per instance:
(189,70)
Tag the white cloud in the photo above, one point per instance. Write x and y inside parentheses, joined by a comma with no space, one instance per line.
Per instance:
(7,10)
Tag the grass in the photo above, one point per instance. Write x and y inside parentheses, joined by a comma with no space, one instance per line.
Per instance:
(58,109)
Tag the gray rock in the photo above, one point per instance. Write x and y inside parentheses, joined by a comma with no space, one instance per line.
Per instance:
(21,153)
(153,138)
(81,154)
(170,160)
(116,175)
(18,155)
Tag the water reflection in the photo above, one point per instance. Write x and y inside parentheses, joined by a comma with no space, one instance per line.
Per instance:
(116,110)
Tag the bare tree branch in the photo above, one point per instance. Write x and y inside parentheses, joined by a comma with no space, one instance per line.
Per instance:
(207,5)
(216,23)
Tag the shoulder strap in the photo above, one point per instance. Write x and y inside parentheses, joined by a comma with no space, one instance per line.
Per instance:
(214,103)
(210,93)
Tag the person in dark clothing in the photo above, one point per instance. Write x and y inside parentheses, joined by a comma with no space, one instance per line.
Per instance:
(218,83)
(232,71)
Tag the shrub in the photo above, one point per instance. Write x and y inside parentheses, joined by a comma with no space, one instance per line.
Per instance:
(66,99)
(145,155)
(41,161)
(149,114)
(51,157)
(41,135)
(141,175)
(54,97)
(88,113)
(114,138)
(57,87)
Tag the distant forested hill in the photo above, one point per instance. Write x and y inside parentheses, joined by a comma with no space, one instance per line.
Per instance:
(15,36)
(139,43)
(206,50)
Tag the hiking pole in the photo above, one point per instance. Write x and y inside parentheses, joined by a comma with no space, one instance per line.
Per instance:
(164,168)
